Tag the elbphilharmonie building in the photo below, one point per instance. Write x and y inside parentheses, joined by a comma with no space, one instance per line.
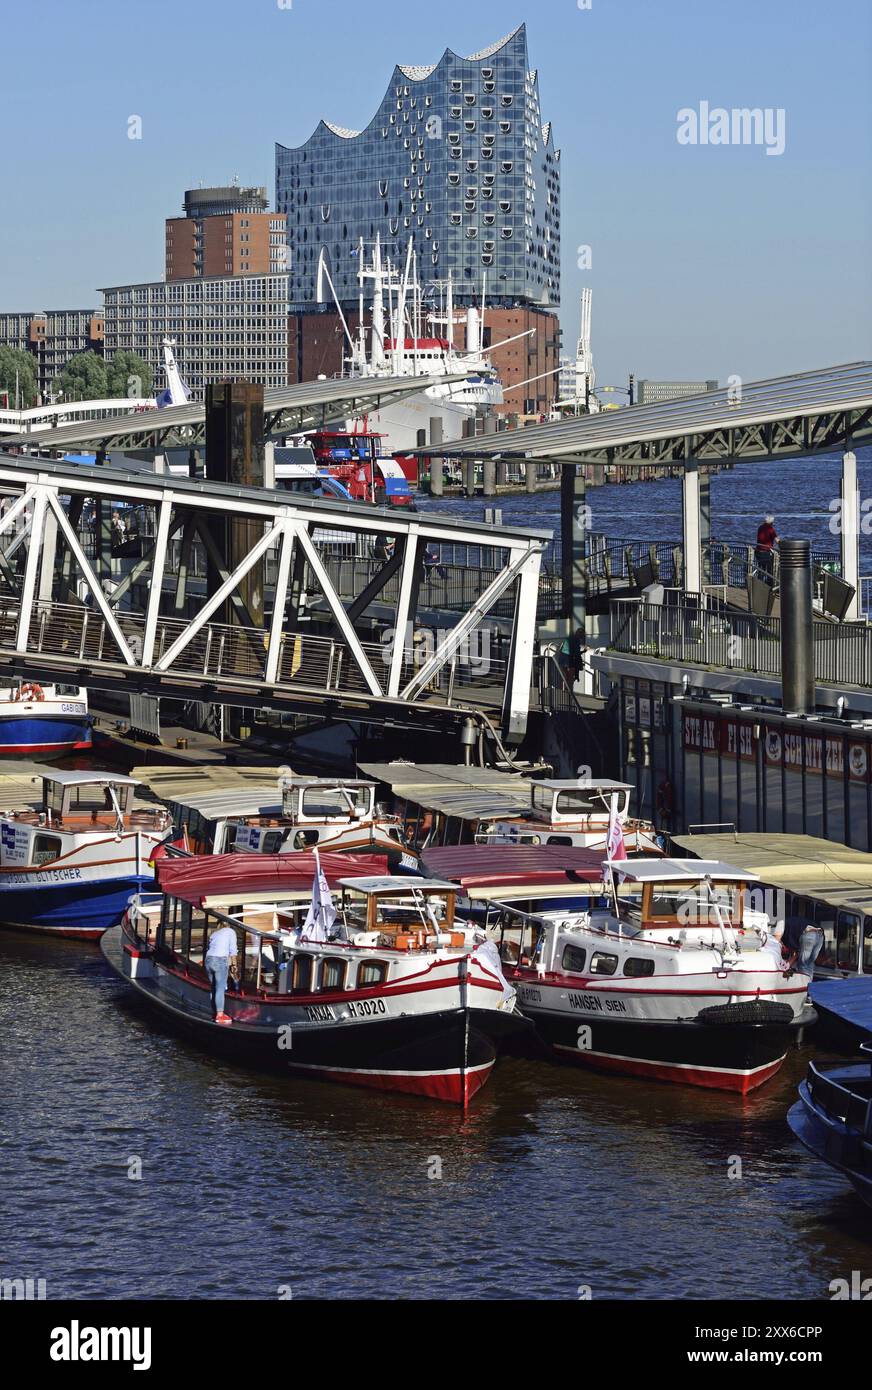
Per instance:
(456,157)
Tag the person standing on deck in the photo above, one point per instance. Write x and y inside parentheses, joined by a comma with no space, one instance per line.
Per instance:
(220,956)
(767,539)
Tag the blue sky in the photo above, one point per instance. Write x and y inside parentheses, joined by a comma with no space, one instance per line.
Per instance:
(706,260)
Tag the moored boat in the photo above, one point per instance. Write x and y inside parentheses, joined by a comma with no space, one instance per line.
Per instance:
(393,992)
(70,861)
(572,812)
(43,720)
(647,967)
(833,1119)
(337,814)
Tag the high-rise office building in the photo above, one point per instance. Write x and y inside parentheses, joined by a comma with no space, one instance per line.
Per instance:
(648,391)
(456,157)
(52,337)
(223,326)
(225,231)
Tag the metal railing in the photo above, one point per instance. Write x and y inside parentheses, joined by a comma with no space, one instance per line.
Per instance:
(721,639)
(227,652)
(611,559)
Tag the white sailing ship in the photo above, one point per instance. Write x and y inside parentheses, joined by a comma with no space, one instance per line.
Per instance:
(411,334)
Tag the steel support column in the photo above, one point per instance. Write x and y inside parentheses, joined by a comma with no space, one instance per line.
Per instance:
(517,694)
(850,536)
(691,527)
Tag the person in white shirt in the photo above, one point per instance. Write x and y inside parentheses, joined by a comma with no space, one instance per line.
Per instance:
(220,955)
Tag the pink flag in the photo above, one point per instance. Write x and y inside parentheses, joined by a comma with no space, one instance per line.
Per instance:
(615,848)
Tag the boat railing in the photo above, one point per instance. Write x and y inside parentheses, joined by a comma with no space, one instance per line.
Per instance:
(840,1101)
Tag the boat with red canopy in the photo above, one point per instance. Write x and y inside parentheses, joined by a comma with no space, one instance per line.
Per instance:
(387,988)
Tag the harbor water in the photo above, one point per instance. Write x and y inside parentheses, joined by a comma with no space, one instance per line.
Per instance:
(133,1165)
(802,494)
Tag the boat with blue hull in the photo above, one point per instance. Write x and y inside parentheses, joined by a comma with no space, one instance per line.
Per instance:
(833,1119)
(45,721)
(70,862)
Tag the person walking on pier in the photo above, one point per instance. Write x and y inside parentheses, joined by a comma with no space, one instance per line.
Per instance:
(767,539)
(220,956)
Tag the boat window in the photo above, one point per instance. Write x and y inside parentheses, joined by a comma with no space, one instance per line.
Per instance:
(636,967)
(574,959)
(867,945)
(825,917)
(45,848)
(848,941)
(272,841)
(305,838)
(302,977)
(603,964)
(559,840)
(334,801)
(333,973)
(371,972)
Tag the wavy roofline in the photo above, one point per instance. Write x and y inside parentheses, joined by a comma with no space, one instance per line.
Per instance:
(414,73)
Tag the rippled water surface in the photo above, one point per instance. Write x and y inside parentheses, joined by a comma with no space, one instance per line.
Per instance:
(799,492)
(557,1178)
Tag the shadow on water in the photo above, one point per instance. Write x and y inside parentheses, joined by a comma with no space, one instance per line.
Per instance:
(133,1164)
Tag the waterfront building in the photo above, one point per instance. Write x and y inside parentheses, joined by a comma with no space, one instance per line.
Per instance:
(458,160)
(456,157)
(52,337)
(648,391)
(223,326)
(225,231)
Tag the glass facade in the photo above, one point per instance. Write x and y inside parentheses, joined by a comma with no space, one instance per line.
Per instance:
(456,158)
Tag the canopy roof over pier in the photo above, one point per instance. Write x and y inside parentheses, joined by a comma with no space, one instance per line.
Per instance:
(800,414)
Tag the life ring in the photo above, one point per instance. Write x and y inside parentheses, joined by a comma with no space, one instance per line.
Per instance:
(31,690)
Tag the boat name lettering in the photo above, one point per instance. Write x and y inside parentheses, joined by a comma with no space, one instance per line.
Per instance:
(43,876)
(530,995)
(594,1003)
(365,1008)
(319,1013)
(72,709)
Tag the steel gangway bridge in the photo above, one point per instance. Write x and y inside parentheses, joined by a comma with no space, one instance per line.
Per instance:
(273,629)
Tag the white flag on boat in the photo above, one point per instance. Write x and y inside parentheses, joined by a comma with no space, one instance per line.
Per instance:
(615,847)
(322,913)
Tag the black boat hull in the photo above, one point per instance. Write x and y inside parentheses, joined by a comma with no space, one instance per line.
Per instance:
(446,1055)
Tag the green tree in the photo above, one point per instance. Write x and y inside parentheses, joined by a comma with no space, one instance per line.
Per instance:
(83,378)
(14,360)
(128,375)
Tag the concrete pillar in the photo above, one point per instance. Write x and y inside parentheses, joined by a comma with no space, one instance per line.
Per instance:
(501,463)
(531,468)
(850,537)
(436,463)
(691,527)
(469,477)
(489,467)
(269,465)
